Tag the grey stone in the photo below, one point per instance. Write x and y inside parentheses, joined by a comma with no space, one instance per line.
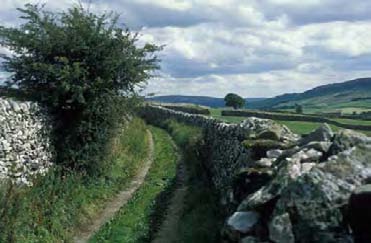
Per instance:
(274,153)
(280,229)
(347,139)
(264,163)
(322,134)
(267,129)
(319,146)
(24,140)
(243,222)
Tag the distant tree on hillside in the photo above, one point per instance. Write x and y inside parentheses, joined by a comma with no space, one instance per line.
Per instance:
(234,100)
(299,109)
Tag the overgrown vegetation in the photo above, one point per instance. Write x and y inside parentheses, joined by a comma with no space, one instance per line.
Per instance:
(201,220)
(134,222)
(62,202)
(80,65)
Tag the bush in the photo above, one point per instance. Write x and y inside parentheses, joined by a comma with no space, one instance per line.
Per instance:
(80,65)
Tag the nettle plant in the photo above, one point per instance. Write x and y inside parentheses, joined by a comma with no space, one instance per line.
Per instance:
(80,65)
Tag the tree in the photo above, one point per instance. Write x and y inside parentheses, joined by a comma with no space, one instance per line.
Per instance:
(69,58)
(234,100)
(298,109)
(80,65)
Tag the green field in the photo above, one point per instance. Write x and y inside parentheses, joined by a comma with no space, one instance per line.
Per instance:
(304,127)
(295,126)
(353,121)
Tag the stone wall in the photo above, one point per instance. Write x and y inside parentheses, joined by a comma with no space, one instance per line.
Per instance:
(224,144)
(25,149)
(222,140)
(280,187)
(188,109)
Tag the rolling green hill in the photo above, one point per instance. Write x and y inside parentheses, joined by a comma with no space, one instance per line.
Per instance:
(347,97)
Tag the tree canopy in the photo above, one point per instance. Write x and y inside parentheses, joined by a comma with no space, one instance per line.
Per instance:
(234,100)
(66,59)
(80,65)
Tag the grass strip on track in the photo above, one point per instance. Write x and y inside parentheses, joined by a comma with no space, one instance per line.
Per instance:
(133,222)
(201,220)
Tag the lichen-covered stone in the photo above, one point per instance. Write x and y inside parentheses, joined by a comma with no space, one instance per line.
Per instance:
(280,229)
(267,129)
(347,139)
(322,134)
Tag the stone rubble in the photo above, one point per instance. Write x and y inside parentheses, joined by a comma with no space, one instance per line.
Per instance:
(25,148)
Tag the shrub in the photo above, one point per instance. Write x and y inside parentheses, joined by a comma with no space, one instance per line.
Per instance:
(80,65)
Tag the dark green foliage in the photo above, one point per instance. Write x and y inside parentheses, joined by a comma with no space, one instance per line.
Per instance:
(234,100)
(80,65)
(298,109)
(69,58)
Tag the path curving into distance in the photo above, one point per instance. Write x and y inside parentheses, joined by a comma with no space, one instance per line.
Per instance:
(121,199)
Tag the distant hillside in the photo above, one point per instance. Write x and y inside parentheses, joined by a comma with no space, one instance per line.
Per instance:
(350,94)
(198,100)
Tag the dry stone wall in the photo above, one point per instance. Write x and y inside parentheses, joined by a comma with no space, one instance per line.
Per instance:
(222,142)
(25,149)
(279,187)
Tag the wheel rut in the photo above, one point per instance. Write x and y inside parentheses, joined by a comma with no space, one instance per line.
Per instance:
(168,232)
(120,200)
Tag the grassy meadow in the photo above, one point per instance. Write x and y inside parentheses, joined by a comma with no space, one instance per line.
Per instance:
(299,127)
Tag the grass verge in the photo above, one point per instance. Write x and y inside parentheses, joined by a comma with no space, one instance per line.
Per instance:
(60,202)
(201,220)
(134,222)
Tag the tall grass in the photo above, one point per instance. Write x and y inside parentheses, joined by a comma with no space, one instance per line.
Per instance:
(61,202)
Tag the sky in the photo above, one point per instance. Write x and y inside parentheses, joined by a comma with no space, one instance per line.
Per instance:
(256,48)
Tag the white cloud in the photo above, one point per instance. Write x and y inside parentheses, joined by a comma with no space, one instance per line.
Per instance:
(256,47)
